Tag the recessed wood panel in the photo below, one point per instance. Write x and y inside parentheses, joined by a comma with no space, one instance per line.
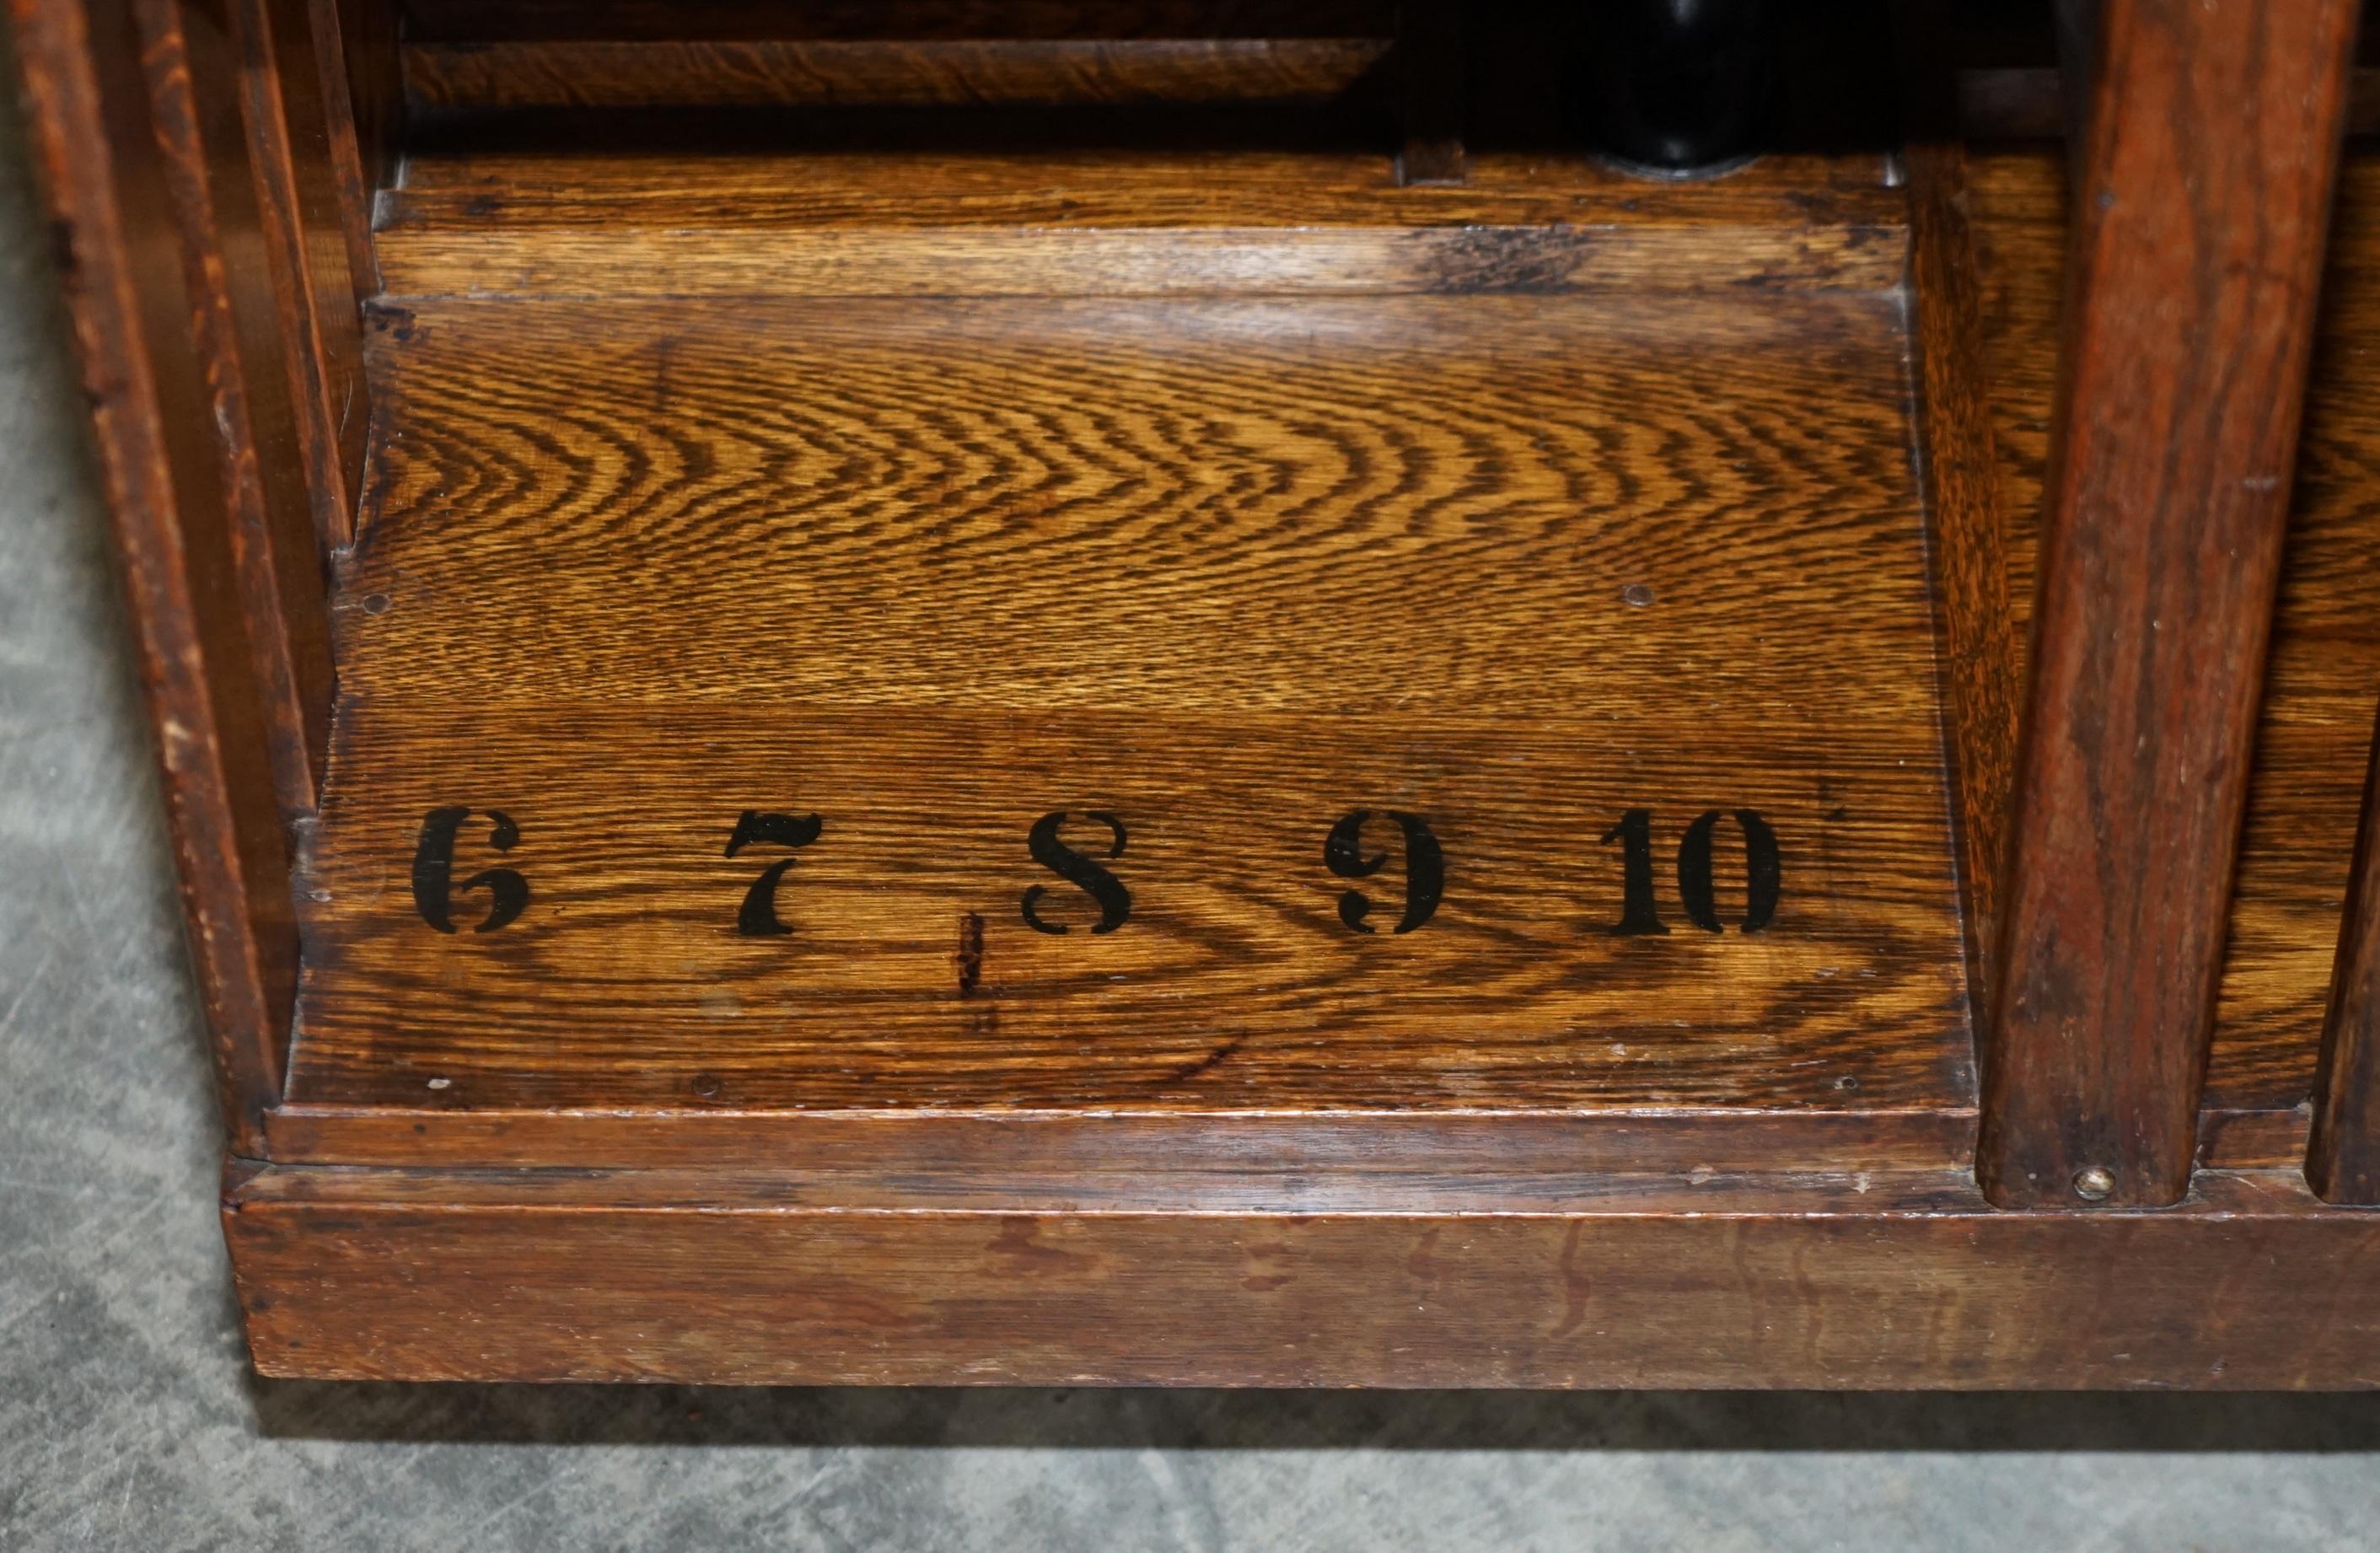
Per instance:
(1223,570)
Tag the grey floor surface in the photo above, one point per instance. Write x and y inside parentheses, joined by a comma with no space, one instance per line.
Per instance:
(128,1418)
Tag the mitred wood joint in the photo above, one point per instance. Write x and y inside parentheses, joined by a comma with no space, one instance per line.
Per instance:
(2343,1161)
(2213,138)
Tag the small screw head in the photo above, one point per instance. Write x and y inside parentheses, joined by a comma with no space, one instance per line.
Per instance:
(2095,1183)
(1637,594)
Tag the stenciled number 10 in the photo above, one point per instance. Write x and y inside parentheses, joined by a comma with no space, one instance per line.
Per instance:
(1343,854)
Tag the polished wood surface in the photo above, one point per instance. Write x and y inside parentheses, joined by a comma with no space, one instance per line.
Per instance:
(1148,1280)
(1225,570)
(532,220)
(2187,329)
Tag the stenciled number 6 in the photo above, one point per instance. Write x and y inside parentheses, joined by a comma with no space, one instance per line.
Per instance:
(434,870)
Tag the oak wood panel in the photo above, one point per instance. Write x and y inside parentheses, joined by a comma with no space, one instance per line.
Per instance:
(2313,728)
(2343,1160)
(745,73)
(530,222)
(284,582)
(372,1274)
(1227,571)
(97,151)
(2212,136)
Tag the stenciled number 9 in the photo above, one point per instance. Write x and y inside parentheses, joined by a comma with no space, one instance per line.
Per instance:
(1342,854)
(434,870)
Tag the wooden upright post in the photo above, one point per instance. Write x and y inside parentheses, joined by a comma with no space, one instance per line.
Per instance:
(2211,146)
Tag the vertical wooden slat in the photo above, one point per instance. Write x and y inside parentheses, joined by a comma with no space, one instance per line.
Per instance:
(2212,142)
(153,423)
(2343,1160)
(359,145)
(1981,656)
(202,159)
(290,144)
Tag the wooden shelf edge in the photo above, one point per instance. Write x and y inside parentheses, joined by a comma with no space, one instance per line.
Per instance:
(1514,1142)
(361,1274)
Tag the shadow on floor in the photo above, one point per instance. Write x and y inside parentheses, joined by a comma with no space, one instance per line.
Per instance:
(1177,1420)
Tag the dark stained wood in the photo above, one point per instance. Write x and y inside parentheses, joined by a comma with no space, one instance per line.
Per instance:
(1146,1280)
(848,21)
(194,104)
(153,414)
(2023,103)
(939,568)
(2161,549)
(308,234)
(802,73)
(1983,654)
(528,223)
(2343,1160)
(2313,728)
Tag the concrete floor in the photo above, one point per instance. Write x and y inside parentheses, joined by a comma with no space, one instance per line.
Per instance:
(128,1419)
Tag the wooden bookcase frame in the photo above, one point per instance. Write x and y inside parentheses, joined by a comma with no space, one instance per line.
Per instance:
(214,166)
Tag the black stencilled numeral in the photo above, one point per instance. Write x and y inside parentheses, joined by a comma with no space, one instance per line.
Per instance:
(758,917)
(1084,874)
(1342,854)
(433,871)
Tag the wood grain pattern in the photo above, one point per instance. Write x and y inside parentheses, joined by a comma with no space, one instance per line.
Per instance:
(1983,654)
(2313,728)
(1050,1147)
(372,1274)
(1226,571)
(194,105)
(97,150)
(528,223)
(2343,1160)
(2213,138)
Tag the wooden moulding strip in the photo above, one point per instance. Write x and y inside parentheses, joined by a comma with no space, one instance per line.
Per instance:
(696,1276)
(1044,262)
(1512,1143)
